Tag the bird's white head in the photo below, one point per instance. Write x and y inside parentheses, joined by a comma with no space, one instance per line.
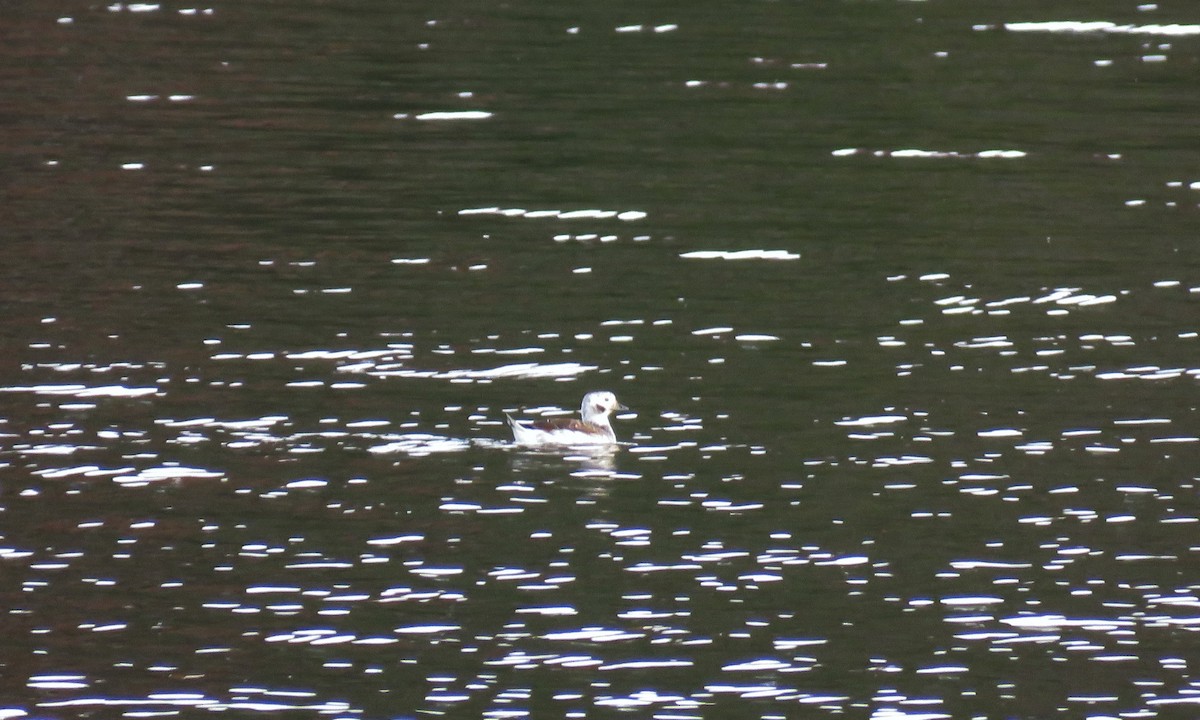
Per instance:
(597,406)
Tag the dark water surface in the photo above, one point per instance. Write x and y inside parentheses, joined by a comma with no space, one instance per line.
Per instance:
(904,297)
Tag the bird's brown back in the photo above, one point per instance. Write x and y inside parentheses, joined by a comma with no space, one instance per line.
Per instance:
(551,424)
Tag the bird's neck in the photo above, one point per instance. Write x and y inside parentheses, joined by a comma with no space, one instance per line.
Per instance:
(600,419)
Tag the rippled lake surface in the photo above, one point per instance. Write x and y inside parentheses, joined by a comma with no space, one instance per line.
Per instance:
(903,298)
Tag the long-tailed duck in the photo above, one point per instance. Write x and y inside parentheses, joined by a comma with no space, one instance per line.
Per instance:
(593,429)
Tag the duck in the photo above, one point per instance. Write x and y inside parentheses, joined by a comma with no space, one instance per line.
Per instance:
(593,429)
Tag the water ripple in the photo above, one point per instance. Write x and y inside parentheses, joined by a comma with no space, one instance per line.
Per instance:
(1102,26)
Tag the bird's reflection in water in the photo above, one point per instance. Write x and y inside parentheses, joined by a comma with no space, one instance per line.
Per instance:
(599,459)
